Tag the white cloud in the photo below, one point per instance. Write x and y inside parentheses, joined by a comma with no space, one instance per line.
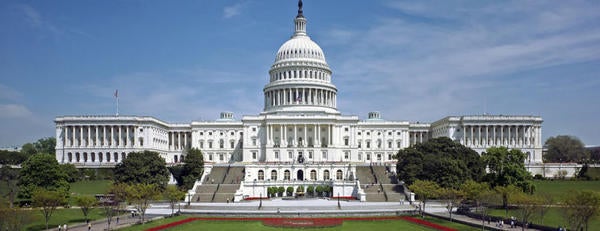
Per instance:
(233,10)
(14,111)
(444,58)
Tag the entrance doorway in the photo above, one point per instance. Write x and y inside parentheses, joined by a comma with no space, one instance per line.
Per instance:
(300,175)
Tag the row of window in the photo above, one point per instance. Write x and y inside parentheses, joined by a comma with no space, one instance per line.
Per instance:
(313,175)
(221,144)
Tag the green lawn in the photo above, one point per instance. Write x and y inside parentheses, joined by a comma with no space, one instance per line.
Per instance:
(558,188)
(88,187)
(257,225)
(61,216)
(552,218)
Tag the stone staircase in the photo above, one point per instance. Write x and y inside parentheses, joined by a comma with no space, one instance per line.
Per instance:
(220,184)
(379,184)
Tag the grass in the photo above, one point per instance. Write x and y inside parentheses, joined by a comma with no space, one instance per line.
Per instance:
(62,216)
(88,187)
(257,225)
(552,218)
(559,188)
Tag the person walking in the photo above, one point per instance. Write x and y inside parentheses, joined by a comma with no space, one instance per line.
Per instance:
(89,226)
(65,227)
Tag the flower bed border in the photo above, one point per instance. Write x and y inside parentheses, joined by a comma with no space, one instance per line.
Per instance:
(297,222)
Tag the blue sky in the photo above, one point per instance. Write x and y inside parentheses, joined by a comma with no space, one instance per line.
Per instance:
(189,60)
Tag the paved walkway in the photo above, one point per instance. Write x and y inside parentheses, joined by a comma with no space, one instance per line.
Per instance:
(124,221)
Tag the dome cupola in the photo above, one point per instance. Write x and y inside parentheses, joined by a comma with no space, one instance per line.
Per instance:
(300,78)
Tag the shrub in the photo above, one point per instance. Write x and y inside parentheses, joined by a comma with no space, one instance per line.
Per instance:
(290,191)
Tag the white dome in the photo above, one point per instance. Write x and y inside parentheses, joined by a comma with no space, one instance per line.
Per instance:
(300,47)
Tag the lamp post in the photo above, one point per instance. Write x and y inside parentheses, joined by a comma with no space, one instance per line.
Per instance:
(190,198)
(339,206)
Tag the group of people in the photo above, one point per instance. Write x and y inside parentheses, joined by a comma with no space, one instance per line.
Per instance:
(62,227)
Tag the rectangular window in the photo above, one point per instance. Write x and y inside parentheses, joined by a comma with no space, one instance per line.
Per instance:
(359,143)
(253,141)
(221,157)
(254,155)
(276,155)
(310,154)
(210,157)
(201,144)
(368,156)
(389,144)
(368,144)
(324,154)
(346,129)
(290,155)
(346,155)
(209,144)
(231,144)
(346,141)
(359,156)
(399,144)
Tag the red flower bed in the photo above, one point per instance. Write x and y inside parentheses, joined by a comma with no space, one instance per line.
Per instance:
(428,224)
(302,222)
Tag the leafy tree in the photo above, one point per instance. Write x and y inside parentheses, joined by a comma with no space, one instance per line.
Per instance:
(289,190)
(86,203)
(310,190)
(506,192)
(173,195)
(119,195)
(44,145)
(193,168)
(425,190)
(475,191)
(48,201)
(13,218)
(487,198)
(565,149)
(140,196)
(453,197)
(42,171)
(12,157)
(9,176)
(528,205)
(70,172)
(507,167)
(280,191)
(145,167)
(442,160)
(580,207)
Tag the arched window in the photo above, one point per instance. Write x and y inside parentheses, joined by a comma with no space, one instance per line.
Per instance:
(313,175)
(93,156)
(261,175)
(338,175)
(100,157)
(116,157)
(70,157)
(77,157)
(123,156)
(286,175)
(326,175)
(85,157)
(181,158)
(175,159)
(274,175)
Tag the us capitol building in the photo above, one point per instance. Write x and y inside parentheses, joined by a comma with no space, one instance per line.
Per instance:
(300,136)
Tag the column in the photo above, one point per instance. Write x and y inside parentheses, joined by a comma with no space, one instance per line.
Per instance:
(88,136)
(317,135)
(305,139)
(96,139)
(472,136)
(104,142)
(330,135)
(295,136)
(284,135)
(178,140)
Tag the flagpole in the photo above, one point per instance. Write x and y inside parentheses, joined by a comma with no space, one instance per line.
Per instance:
(117,98)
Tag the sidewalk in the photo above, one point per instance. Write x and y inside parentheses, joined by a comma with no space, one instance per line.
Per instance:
(99,225)
(476,222)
